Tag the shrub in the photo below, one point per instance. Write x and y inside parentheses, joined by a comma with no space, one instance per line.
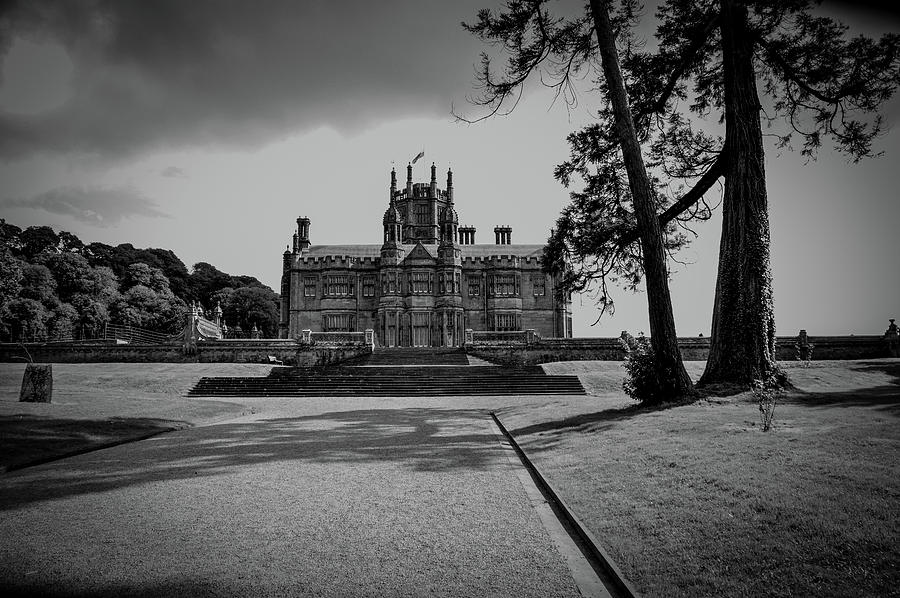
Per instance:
(767,393)
(641,382)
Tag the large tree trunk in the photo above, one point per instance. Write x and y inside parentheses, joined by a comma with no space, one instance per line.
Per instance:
(742,347)
(670,369)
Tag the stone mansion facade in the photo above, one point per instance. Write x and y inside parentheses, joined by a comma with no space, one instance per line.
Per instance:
(425,284)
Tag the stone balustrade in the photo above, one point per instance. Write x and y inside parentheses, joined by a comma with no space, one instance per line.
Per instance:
(527,348)
(338,339)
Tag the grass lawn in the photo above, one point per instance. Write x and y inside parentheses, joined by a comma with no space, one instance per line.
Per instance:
(696,501)
(98,403)
(692,500)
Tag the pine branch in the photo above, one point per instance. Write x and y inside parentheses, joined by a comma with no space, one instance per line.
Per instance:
(698,42)
(687,200)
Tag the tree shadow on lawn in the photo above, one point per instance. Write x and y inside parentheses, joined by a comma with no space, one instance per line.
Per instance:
(27,439)
(887,366)
(591,422)
(884,398)
(419,439)
(236,584)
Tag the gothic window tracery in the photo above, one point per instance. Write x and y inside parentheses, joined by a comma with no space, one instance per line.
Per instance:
(309,286)
(506,321)
(337,285)
(421,283)
(368,286)
(504,285)
(474,284)
(420,213)
(339,322)
(389,283)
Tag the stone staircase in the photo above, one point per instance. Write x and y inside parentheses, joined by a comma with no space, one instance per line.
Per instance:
(394,373)
(409,356)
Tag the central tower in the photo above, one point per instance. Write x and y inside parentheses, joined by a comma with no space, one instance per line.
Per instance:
(420,206)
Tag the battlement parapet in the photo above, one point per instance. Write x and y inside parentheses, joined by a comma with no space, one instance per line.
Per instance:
(501,261)
(337,261)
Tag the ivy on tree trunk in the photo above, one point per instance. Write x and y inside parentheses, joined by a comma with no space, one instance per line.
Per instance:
(742,345)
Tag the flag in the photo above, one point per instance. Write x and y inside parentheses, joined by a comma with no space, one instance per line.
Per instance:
(419,155)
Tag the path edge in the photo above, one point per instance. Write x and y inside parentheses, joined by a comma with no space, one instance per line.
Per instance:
(595,553)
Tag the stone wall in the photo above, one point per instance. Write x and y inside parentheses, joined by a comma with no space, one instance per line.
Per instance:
(518,350)
(836,347)
(224,351)
(522,352)
(90,352)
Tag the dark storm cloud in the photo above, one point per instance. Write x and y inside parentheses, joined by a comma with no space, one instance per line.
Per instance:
(170,72)
(97,206)
(173,172)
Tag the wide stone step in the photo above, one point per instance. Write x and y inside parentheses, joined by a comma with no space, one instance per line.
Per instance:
(326,382)
(407,371)
(413,383)
(414,356)
(381,392)
(442,375)
(381,383)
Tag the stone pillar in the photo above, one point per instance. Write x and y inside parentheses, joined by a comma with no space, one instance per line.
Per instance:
(370,339)
(804,349)
(892,336)
(469,336)
(306,336)
(37,383)
(531,336)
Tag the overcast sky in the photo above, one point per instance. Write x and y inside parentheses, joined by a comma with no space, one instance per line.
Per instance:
(208,127)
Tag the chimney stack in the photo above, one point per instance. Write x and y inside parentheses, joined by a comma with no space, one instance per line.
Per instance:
(303,232)
(433,180)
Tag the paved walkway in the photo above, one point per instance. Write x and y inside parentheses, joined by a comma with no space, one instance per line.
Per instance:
(312,498)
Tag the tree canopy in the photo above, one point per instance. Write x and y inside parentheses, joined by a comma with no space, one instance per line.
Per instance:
(816,83)
(54,286)
(819,83)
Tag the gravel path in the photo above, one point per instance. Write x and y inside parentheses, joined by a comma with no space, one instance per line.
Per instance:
(346,497)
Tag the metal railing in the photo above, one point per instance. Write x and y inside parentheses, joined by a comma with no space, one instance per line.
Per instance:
(112,332)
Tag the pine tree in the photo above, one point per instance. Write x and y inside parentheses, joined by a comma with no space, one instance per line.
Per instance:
(818,83)
(549,39)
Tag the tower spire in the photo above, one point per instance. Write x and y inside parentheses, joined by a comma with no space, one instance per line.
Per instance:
(449,185)
(393,183)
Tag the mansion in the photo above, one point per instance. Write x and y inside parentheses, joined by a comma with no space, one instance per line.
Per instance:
(425,284)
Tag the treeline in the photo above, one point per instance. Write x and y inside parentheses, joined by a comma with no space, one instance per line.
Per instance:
(55,287)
